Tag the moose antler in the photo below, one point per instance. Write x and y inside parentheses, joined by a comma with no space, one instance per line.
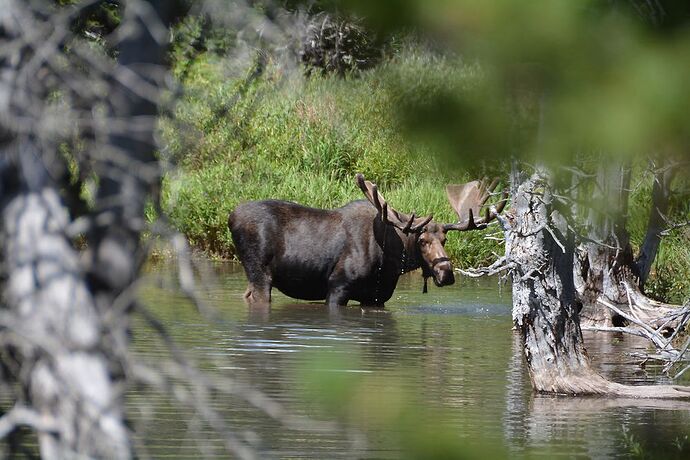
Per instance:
(411,224)
(467,200)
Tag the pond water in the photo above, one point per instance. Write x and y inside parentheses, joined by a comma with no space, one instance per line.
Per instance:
(431,370)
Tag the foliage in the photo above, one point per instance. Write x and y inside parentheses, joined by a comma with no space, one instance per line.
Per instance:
(635,448)
(670,276)
(609,80)
(264,131)
(338,44)
(304,139)
(96,21)
(197,34)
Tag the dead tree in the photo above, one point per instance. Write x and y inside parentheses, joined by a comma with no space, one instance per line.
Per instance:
(50,322)
(605,258)
(540,248)
(64,321)
(606,268)
(539,256)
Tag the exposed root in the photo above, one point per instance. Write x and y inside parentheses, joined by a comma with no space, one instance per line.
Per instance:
(654,325)
(588,382)
(643,302)
(658,315)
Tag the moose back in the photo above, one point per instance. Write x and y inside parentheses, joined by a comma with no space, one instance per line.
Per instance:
(356,252)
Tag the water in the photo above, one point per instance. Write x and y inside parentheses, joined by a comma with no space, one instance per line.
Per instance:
(441,364)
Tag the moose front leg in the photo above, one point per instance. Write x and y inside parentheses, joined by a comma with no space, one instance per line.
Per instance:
(339,284)
(337,296)
(259,288)
(260,280)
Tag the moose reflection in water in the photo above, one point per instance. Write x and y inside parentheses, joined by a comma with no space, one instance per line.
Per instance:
(356,252)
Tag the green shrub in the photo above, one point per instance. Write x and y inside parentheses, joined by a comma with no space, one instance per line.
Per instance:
(669,279)
(303,139)
(239,137)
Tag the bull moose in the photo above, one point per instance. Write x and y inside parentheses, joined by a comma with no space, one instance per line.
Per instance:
(356,252)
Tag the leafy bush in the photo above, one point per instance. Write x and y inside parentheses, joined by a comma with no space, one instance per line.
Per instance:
(338,44)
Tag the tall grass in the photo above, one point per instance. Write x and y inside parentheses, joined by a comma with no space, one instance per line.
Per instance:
(237,137)
(669,279)
(299,139)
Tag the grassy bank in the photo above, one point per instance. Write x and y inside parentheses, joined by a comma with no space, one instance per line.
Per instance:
(239,137)
(298,139)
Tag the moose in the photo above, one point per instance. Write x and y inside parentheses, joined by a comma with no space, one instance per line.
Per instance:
(356,252)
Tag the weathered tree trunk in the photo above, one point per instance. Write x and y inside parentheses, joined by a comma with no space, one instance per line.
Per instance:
(661,197)
(545,305)
(606,270)
(128,170)
(64,317)
(605,261)
(48,307)
(545,308)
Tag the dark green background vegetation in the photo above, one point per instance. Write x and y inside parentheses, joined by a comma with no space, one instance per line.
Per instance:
(304,139)
(261,131)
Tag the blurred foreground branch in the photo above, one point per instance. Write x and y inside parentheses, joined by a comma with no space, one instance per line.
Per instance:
(72,115)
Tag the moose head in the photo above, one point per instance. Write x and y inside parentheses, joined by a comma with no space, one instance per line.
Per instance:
(428,236)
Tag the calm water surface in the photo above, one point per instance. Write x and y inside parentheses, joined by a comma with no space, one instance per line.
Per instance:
(451,351)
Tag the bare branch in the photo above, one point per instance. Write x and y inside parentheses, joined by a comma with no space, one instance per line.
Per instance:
(665,349)
(23,416)
(673,226)
(495,268)
(650,333)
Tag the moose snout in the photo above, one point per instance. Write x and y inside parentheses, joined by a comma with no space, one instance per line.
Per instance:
(443,274)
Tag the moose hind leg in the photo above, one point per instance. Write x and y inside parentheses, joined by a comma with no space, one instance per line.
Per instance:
(258,293)
(259,280)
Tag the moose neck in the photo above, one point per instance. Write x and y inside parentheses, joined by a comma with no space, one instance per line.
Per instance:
(400,251)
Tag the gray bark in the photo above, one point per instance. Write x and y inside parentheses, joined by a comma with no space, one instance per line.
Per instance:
(64,315)
(605,260)
(545,309)
(47,306)
(656,224)
(545,305)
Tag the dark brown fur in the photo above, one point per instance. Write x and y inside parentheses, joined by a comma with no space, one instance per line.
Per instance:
(338,255)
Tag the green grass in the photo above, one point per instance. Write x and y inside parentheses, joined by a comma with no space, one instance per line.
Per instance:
(292,138)
(237,138)
(669,279)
